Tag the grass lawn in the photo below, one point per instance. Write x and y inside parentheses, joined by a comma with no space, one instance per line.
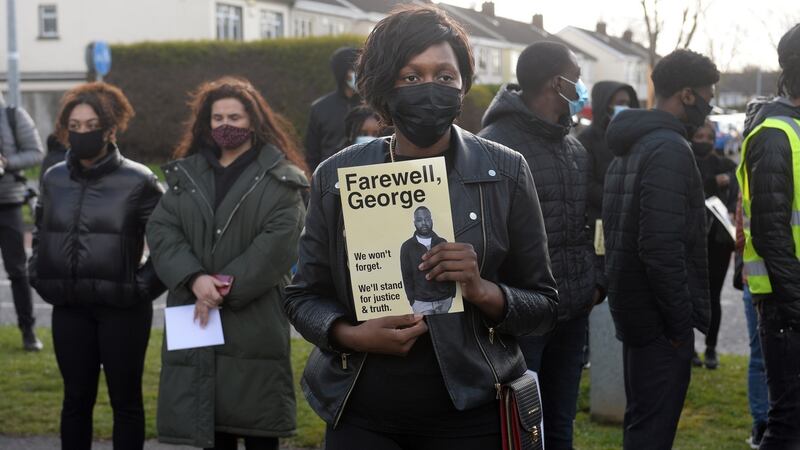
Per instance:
(715,416)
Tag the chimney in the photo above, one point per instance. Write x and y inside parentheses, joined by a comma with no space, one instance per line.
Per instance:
(601,27)
(538,21)
(627,36)
(488,8)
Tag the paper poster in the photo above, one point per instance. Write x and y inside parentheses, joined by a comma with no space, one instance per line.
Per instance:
(599,239)
(393,214)
(721,213)
(184,332)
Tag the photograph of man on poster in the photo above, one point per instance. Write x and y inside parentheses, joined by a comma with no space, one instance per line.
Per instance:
(426,296)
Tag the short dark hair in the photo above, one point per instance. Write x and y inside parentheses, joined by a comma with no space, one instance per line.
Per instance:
(681,69)
(355,119)
(539,62)
(789,60)
(408,31)
(108,102)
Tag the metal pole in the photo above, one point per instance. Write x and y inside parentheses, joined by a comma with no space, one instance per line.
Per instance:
(759,82)
(14,96)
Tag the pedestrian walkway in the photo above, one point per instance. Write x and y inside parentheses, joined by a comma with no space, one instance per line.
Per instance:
(52,443)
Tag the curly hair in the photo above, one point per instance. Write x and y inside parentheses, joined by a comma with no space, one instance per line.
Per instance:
(681,69)
(789,59)
(108,102)
(406,32)
(268,126)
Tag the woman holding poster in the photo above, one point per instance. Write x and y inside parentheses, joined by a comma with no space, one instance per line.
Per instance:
(405,380)
(225,236)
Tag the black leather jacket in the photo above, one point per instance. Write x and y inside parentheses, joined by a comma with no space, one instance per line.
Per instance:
(89,236)
(496,209)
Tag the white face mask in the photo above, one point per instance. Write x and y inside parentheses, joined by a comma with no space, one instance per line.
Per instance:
(351,81)
(618,109)
(364,139)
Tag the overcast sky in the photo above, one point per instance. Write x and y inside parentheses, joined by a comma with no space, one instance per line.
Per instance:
(738,33)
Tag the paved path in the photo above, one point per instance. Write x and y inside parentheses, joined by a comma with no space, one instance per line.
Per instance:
(53,443)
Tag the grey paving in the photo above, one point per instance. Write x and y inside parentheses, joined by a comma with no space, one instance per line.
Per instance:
(52,443)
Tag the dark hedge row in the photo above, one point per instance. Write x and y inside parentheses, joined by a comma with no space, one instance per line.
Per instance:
(291,73)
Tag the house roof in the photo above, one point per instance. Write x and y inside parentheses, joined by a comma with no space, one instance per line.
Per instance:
(617,43)
(480,24)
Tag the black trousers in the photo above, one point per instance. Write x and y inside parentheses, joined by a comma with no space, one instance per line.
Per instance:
(780,343)
(656,380)
(719,258)
(225,441)
(350,437)
(84,337)
(12,246)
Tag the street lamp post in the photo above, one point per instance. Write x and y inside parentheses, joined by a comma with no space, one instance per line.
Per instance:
(14,96)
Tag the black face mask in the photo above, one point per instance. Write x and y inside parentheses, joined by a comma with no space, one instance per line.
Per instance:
(86,145)
(424,112)
(702,149)
(696,114)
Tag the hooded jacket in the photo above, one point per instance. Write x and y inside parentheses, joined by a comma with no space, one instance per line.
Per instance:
(21,153)
(772,192)
(654,222)
(593,139)
(325,133)
(89,236)
(560,168)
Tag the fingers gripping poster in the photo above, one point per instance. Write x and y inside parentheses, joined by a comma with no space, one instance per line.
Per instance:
(394,213)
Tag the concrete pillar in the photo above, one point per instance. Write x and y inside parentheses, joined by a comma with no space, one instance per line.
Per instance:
(607,389)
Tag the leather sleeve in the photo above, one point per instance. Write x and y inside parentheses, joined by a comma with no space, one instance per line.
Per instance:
(664,196)
(769,160)
(525,276)
(310,301)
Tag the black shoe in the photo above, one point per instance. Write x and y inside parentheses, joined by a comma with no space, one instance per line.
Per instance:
(756,435)
(711,360)
(696,362)
(30,342)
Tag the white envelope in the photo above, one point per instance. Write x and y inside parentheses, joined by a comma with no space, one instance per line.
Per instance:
(183,332)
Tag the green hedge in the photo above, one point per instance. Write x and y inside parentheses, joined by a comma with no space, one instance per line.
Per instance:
(291,73)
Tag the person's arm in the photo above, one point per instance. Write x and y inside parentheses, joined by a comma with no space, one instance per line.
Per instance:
(148,285)
(313,141)
(29,146)
(406,267)
(664,196)
(769,161)
(268,259)
(594,194)
(38,215)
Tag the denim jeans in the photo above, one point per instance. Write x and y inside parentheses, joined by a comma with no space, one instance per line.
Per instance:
(434,307)
(756,376)
(558,359)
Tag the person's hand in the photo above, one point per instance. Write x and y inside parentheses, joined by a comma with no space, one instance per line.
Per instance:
(201,313)
(394,335)
(3,162)
(723,180)
(455,261)
(205,289)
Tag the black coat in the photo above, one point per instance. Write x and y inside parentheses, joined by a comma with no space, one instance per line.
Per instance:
(654,221)
(769,160)
(325,134)
(560,168)
(417,287)
(509,239)
(89,236)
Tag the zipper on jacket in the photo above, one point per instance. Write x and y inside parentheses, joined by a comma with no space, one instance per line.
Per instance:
(344,360)
(196,186)
(350,390)
(497,384)
(76,239)
(236,208)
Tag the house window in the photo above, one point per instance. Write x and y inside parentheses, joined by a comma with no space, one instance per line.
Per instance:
(48,21)
(229,22)
(271,24)
(483,59)
(495,62)
(302,28)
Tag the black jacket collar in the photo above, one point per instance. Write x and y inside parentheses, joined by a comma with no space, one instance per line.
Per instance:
(104,166)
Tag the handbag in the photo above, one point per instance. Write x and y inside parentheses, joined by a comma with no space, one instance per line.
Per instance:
(521,423)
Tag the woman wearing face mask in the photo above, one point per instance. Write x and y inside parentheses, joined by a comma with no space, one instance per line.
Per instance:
(87,251)
(405,382)
(362,125)
(719,179)
(233,207)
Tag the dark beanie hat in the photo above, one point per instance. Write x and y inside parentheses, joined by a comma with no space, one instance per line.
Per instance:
(342,60)
(789,49)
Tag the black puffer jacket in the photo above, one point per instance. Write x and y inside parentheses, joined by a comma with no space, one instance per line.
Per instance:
(89,236)
(509,238)
(560,168)
(593,139)
(655,230)
(772,191)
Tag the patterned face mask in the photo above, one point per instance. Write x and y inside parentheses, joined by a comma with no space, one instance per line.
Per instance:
(229,136)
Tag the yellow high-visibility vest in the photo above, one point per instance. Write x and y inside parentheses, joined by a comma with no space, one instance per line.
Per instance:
(754,266)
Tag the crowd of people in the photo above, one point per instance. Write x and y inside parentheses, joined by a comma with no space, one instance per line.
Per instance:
(241,209)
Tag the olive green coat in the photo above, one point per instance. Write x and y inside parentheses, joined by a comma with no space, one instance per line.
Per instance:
(245,386)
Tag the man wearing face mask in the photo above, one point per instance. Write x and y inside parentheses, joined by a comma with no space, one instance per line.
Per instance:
(325,134)
(654,222)
(20,148)
(534,118)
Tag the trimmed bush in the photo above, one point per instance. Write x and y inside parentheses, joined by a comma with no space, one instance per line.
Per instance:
(290,73)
